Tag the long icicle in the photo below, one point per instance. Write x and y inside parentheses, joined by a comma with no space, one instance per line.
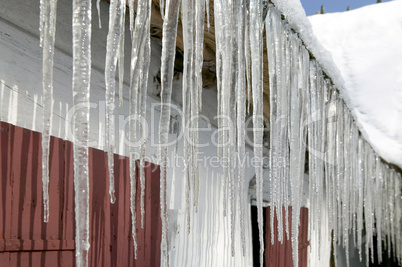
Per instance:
(241,115)
(256,27)
(140,57)
(48,30)
(272,41)
(112,51)
(169,35)
(81,85)
(188,41)
(143,108)
(296,146)
(196,95)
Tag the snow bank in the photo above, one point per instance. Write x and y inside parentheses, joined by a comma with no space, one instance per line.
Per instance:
(366,45)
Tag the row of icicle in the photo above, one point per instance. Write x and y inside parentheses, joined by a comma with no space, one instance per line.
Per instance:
(305,109)
(361,193)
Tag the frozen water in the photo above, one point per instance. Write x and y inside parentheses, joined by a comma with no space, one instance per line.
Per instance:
(81,85)
(48,30)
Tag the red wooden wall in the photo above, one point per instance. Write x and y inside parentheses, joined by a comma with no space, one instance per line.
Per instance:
(26,241)
(280,254)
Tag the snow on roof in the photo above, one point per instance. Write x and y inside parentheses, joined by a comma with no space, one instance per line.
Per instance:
(366,45)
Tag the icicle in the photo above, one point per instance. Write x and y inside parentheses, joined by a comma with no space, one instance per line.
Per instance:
(81,85)
(368,213)
(321,142)
(241,115)
(285,123)
(140,60)
(168,56)
(48,30)
(247,54)
(99,17)
(346,184)
(296,146)
(232,87)
(143,111)
(311,142)
(120,56)
(378,206)
(256,28)
(360,184)
(225,53)
(196,90)
(188,31)
(354,187)
(340,167)
(274,78)
(112,51)
(330,157)
(391,192)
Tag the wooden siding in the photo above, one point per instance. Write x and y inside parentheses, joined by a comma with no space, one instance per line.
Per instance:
(26,241)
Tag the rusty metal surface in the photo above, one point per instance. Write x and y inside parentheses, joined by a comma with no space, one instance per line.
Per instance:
(280,254)
(26,241)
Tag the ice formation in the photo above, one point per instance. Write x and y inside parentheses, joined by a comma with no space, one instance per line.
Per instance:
(81,91)
(344,171)
(140,60)
(48,9)
(170,22)
(359,191)
(114,46)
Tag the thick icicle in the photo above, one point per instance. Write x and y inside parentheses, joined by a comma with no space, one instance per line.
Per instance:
(81,84)
(168,56)
(297,151)
(140,60)
(256,41)
(116,13)
(227,64)
(48,30)
(274,76)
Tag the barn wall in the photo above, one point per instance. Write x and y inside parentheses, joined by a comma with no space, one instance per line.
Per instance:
(26,241)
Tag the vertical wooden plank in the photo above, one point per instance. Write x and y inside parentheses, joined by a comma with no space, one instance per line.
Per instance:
(98,208)
(280,254)
(6,142)
(4,259)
